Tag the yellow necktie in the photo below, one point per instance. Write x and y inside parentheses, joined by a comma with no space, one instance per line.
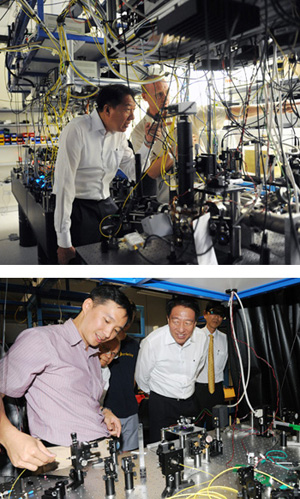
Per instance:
(211,367)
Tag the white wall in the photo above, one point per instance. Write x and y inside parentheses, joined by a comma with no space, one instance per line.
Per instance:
(8,156)
(7,200)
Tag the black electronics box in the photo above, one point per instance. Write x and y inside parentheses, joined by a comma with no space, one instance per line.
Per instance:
(209,20)
(221,412)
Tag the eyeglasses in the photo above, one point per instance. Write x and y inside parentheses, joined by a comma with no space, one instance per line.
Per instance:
(113,354)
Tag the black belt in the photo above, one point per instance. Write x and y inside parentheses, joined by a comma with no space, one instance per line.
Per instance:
(48,444)
(173,398)
(91,201)
(206,384)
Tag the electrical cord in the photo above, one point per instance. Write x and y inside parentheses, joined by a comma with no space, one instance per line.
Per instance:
(61,109)
(245,384)
(206,251)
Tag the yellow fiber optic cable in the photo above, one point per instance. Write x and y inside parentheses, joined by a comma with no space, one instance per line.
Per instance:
(273,477)
(16,482)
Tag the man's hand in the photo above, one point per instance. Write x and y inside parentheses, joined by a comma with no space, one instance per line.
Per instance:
(25,451)
(112,422)
(64,255)
(152,132)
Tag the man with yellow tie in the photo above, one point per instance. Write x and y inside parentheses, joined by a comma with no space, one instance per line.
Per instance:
(209,384)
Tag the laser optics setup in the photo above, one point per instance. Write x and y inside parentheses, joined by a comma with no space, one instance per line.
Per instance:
(233,460)
(232,194)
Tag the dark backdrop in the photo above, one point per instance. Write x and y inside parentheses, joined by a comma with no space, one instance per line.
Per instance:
(274,332)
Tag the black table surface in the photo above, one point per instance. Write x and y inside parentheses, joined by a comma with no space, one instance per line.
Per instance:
(156,252)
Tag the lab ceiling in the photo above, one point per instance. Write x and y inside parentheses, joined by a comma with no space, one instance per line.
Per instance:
(20,292)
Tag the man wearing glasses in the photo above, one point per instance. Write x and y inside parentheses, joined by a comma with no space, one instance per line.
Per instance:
(108,351)
(209,384)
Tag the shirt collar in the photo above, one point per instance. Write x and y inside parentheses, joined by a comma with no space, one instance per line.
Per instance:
(75,338)
(72,334)
(97,123)
(207,332)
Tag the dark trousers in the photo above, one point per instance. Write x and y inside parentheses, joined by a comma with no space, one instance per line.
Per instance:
(206,400)
(165,411)
(86,217)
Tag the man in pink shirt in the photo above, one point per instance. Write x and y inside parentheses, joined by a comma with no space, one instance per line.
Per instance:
(57,368)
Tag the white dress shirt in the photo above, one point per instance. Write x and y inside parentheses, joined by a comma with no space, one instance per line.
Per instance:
(220,356)
(105,371)
(106,376)
(167,368)
(87,161)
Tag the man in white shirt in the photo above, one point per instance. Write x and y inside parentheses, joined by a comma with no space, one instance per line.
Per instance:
(168,363)
(209,396)
(91,149)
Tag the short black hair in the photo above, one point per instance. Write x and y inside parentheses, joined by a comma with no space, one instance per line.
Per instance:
(113,95)
(218,307)
(105,292)
(184,301)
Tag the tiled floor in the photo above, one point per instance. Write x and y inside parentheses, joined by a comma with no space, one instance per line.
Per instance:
(11,253)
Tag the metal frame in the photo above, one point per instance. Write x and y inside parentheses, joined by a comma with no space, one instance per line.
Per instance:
(171,287)
(44,291)
(70,310)
(266,288)
(22,22)
(140,308)
(67,310)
